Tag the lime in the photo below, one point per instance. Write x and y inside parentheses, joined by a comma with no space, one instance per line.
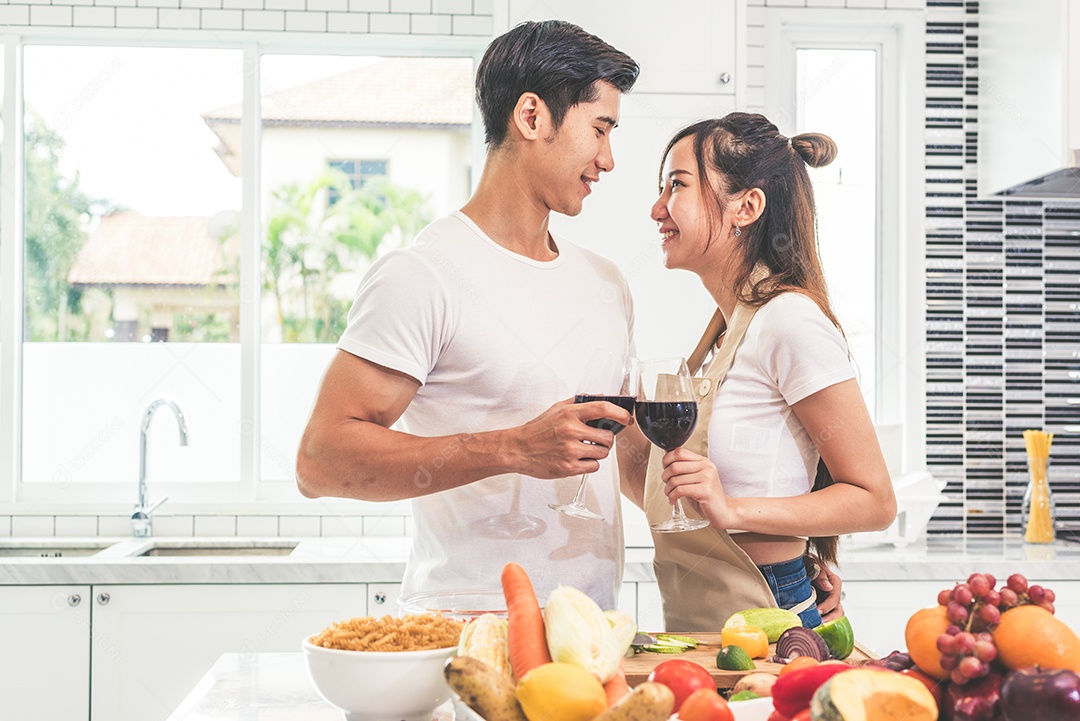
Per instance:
(733,658)
(838,636)
(743,696)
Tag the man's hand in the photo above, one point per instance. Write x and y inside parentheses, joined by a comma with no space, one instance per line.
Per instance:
(829,583)
(558,443)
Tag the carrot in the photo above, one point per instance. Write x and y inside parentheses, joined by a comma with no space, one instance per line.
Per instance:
(617,687)
(525,633)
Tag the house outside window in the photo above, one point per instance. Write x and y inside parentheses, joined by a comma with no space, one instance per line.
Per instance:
(359,173)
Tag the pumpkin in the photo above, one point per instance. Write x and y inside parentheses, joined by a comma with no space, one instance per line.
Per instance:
(873,695)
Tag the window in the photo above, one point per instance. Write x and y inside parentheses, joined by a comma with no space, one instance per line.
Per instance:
(840,73)
(157,261)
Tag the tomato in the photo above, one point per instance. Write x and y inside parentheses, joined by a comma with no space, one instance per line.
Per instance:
(797,663)
(803,715)
(705,705)
(682,677)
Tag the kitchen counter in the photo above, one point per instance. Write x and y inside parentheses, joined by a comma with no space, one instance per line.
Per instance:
(268,686)
(382,559)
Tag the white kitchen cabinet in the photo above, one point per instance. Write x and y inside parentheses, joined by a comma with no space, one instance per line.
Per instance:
(45,662)
(879,610)
(153,643)
(689,46)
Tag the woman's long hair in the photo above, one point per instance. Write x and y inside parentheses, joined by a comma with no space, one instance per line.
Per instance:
(741,151)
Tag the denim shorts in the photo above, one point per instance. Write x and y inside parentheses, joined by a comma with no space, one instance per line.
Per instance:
(790,586)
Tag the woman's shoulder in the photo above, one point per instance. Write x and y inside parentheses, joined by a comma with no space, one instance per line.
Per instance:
(790,306)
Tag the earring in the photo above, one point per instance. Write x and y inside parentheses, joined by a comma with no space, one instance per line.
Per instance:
(738,231)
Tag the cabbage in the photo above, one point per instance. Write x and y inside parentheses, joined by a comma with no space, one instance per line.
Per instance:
(579,633)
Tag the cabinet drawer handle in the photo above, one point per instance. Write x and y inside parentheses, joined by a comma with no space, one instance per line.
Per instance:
(380,598)
(74,600)
(103,598)
(724,78)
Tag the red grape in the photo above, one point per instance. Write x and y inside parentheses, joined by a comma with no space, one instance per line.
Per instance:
(957,614)
(962,594)
(972,667)
(985,651)
(1017,583)
(944,597)
(947,644)
(1008,598)
(989,615)
(1036,593)
(979,585)
(1048,595)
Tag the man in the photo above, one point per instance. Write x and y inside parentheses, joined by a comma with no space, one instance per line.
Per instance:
(467,340)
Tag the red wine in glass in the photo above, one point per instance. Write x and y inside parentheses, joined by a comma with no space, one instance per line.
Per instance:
(606,424)
(668,424)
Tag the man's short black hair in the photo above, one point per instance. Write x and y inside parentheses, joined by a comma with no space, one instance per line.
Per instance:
(557,60)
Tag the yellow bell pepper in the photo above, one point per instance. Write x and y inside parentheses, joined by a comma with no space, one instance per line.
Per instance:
(751,639)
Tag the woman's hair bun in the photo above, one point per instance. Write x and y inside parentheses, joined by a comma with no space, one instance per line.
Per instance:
(816,149)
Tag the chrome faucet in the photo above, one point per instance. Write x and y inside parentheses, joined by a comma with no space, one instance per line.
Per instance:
(142,519)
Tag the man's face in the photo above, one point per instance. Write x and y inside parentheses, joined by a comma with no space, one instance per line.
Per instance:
(568,161)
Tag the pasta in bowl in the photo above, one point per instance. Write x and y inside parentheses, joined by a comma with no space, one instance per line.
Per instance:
(377,668)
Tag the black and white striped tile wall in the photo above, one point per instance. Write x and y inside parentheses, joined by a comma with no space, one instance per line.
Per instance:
(1003,309)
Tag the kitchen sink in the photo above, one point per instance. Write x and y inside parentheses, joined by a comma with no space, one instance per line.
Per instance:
(159,549)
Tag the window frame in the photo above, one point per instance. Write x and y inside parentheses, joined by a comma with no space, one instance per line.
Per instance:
(897,36)
(249,489)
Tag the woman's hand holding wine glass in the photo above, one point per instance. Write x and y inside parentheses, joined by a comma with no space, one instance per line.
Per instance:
(666,412)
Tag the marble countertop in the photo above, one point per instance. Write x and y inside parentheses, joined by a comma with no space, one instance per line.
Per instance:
(382,560)
(267,686)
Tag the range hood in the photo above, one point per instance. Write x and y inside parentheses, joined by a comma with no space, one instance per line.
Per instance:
(1029,99)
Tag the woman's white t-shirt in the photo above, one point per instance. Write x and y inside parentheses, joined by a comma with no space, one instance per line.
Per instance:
(791,350)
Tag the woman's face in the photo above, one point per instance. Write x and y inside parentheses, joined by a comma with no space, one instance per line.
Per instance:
(683,216)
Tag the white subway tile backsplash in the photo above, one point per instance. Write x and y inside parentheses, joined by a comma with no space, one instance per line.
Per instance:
(215,525)
(136,17)
(328,5)
(864,3)
(5,526)
(173,526)
(256,525)
(264,20)
(342,526)
(905,4)
(241,4)
(384,526)
(159,3)
(37,2)
(14,15)
(95,17)
(202,4)
(50,15)
(185,19)
(305,22)
(369,6)
(483,7)
(347,22)
(33,526)
(410,6)
(452,7)
(383,23)
(473,25)
(299,526)
(114,526)
(222,19)
(431,25)
(69,526)
(284,5)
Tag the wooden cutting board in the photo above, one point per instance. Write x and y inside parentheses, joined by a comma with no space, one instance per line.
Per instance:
(639,667)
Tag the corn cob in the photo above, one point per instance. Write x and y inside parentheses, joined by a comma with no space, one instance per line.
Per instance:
(484,638)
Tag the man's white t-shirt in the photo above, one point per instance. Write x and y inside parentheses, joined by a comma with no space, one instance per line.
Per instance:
(495,338)
(791,350)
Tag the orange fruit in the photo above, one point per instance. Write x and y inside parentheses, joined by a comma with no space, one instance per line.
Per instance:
(1032,636)
(921,634)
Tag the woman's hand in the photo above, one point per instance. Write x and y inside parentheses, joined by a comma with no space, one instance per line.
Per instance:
(695,478)
(827,581)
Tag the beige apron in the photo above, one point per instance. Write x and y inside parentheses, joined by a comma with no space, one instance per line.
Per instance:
(704,576)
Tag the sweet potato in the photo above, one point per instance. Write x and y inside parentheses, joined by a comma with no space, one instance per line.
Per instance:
(483,689)
(647,702)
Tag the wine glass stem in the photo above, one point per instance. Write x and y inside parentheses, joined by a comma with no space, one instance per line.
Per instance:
(579,499)
(677,512)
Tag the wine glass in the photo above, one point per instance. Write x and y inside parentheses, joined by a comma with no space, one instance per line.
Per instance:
(667,413)
(607,377)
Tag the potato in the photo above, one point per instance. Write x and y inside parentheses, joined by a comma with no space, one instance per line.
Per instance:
(647,702)
(760,683)
(483,689)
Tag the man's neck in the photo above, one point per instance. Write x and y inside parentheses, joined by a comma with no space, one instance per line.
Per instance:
(508,211)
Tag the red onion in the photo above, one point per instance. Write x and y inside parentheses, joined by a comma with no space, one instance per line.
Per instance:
(799,641)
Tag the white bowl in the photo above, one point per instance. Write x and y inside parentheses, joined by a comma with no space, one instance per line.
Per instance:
(756,709)
(379,685)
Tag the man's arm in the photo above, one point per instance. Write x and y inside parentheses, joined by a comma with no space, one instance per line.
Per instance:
(348,450)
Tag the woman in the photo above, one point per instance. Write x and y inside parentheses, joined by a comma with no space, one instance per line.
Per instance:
(736,208)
